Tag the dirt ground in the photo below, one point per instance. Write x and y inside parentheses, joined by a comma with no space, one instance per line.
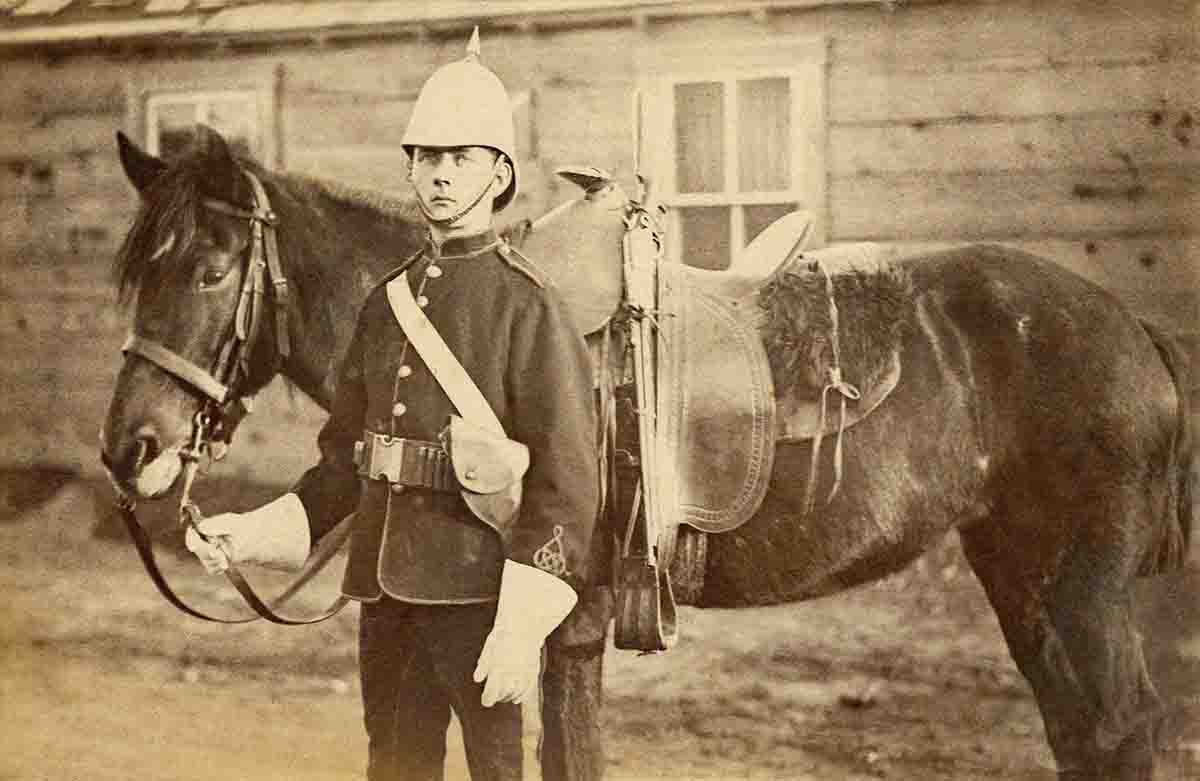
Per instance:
(906,679)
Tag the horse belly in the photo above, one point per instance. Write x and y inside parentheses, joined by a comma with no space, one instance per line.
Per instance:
(904,486)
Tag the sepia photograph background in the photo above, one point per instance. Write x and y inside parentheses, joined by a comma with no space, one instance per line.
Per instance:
(1066,128)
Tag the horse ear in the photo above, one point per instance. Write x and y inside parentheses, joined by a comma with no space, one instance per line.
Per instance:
(140,167)
(220,169)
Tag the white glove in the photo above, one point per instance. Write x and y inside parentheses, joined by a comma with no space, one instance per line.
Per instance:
(532,604)
(274,535)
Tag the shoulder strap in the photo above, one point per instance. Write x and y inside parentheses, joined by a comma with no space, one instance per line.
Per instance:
(463,392)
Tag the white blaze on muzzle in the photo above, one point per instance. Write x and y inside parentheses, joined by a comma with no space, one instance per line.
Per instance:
(156,478)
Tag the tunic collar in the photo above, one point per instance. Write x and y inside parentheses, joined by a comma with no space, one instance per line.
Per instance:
(462,247)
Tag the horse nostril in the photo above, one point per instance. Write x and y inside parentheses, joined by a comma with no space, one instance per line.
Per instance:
(147,450)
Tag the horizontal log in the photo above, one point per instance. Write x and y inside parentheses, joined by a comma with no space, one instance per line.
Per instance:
(89,86)
(1115,142)
(90,316)
(42,365)
(382,168)
(1021,204)
(30,135)
(84,227)
(63,276)
(876,94)
(62,174)
(932,35)
(342,121)
(585,125)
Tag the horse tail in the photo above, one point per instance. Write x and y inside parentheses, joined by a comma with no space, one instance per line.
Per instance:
(1171,550)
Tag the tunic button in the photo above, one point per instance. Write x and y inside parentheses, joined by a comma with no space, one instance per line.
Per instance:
(433,272)
(404,371)
(399,409)
(422,301)
(397,488)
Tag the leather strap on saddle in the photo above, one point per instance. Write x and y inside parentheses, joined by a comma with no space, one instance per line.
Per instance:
(645,608)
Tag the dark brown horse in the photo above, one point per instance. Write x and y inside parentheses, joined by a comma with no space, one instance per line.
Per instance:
(1033,415)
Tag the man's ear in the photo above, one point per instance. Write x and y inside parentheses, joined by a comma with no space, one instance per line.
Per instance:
(503,172)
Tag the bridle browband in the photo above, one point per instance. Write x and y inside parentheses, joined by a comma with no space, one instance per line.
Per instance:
(223,387)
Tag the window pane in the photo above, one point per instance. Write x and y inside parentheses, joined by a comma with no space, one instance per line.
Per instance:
(704,234)
(235,119)
(757,218)
(174,125)
(764,135)
(699,137)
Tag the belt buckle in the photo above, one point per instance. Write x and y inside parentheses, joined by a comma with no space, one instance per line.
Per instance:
(385,457)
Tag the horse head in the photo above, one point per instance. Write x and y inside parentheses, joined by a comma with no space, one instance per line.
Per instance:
(193,264)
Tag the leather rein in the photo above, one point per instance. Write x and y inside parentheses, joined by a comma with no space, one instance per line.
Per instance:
(224,399)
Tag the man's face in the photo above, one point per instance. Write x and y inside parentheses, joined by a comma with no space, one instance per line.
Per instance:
(448,179)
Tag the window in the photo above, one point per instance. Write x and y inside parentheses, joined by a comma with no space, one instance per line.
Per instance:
(171,119)
(744,146)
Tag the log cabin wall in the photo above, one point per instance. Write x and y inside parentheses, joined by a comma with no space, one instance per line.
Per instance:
(1064,127)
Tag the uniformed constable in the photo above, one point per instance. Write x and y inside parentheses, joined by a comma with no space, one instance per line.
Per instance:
(456,604)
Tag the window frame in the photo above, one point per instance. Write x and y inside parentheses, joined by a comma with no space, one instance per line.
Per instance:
(178,80)
(203,99)
(803,63)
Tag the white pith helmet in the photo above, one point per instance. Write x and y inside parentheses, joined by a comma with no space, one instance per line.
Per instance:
(465,104)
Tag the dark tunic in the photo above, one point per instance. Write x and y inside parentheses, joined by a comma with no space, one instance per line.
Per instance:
(512,334)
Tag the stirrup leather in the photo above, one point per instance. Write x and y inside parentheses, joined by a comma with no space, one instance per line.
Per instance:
(645,604)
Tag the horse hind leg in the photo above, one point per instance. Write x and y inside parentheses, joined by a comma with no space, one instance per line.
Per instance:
(1066,616)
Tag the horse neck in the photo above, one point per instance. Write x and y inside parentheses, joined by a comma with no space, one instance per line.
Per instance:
(333,247)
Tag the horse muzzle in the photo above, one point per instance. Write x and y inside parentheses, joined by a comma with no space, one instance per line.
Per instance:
(141,468)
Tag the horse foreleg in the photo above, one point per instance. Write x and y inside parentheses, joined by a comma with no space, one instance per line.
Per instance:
(1068,625)
(571,747)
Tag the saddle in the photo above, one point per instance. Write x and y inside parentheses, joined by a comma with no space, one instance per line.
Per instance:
(700,371)
(716,410)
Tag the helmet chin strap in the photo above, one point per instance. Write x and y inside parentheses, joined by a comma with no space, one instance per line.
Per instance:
(446,222)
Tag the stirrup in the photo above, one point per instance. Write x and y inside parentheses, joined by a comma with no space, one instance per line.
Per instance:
(645,609)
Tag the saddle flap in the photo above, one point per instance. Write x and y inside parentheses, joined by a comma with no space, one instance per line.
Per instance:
(717,408)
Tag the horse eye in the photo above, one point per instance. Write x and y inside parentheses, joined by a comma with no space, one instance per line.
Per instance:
(213,276)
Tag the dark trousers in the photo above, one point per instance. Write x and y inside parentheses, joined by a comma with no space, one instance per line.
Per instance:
(416,663)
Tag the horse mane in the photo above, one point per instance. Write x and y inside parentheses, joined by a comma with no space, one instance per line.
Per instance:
(874,308)
(169,217)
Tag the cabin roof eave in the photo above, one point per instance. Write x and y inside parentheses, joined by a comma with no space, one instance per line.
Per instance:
(258,21)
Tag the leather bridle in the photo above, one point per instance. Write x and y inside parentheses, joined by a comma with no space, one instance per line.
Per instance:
(226,400)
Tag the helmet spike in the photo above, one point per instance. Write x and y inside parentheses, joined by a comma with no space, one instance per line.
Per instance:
(473,45)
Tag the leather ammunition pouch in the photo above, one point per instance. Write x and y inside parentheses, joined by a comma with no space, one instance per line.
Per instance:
(410,462)
(489,468)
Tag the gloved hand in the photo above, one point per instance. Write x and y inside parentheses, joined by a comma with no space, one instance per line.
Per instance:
(532,603)
(274,535)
